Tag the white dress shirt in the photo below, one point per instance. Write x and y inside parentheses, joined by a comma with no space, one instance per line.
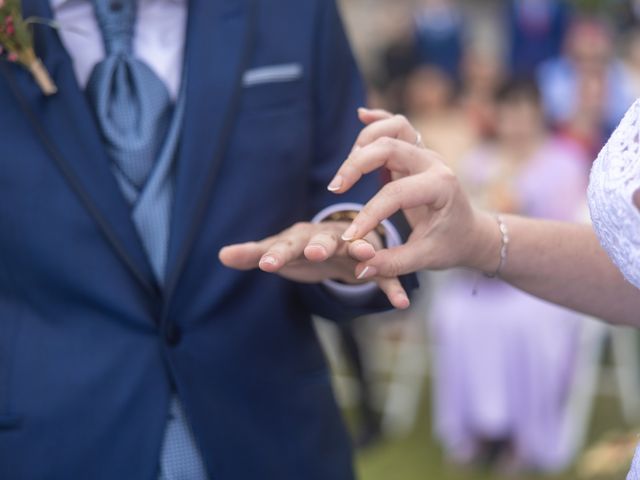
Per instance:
(159,37)
(159,40)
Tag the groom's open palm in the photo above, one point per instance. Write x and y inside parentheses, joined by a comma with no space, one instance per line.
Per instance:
(312,253)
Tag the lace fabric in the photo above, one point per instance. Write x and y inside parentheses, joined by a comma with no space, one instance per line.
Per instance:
(634,473)
(615,177)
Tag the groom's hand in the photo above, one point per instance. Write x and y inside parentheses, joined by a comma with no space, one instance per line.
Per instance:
(312,253)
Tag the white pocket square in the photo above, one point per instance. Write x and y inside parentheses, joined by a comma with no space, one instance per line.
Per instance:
(272,74)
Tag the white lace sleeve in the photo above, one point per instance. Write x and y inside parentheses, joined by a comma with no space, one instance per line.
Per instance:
(615,177)
(634,473)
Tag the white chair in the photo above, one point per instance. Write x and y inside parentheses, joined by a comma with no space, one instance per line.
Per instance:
(593,378)
(396,359)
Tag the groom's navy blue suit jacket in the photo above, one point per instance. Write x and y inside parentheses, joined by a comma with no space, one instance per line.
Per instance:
(91,348)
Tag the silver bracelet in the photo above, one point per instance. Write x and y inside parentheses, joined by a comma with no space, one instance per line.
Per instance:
(504,247)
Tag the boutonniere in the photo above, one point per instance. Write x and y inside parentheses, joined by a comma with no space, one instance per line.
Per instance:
(16,44)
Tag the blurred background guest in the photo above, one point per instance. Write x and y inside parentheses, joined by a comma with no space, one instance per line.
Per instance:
(431,103)
(482,73)
(585,91)
(396,62)
(366,429)
(439,34)
(631,61)
(627,13)
(504,360)
(536,30)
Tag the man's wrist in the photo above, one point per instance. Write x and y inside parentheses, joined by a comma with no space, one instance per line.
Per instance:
(348,216)
(357,293)
(390,238)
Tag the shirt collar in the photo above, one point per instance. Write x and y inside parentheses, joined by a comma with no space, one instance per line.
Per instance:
(58,4)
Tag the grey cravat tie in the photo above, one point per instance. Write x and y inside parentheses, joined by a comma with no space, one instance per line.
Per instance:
(135,112)
(140,127)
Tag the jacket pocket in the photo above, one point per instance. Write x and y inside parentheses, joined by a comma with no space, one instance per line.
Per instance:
(10,421)
(273,88)
(282,73)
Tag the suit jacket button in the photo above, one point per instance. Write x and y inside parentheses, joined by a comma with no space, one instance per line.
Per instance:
(173,336)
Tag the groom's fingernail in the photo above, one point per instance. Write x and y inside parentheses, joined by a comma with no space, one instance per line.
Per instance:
(318,248)
(368,272)
(269,260)
(402,300)
(350,234)
(335,184)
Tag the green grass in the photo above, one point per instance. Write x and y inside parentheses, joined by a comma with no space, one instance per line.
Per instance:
(418,457)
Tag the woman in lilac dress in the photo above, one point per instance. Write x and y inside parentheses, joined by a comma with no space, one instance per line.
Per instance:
(503,358)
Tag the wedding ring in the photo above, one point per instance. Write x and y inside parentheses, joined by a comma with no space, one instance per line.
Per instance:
(419,143)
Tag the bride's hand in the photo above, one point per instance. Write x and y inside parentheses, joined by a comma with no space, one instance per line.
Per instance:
(447,230)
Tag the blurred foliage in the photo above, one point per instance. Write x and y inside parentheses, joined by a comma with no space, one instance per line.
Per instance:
(591,5)
(602,7)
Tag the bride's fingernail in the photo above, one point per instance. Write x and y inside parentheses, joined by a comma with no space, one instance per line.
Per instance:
(335,184)
(368,272)
(350,233)
(403,301)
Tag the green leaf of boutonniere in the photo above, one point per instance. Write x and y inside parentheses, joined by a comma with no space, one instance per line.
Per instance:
(16,44)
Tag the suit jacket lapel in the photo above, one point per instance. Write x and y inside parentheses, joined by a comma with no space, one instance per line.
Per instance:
(65,125)
(219,44)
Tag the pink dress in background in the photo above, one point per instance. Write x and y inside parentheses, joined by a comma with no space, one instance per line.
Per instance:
(503,359)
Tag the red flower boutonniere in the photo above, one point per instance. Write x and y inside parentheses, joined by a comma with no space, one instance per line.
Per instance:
(16,44)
